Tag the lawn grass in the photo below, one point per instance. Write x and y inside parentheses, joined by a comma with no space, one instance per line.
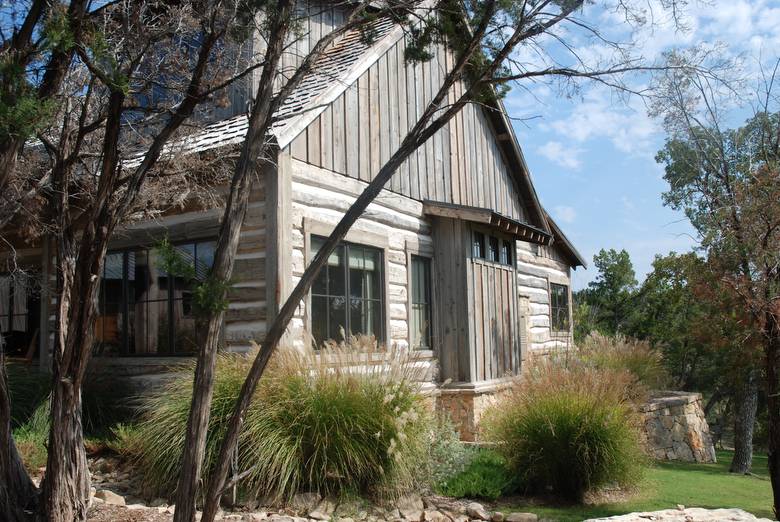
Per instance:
(665,485)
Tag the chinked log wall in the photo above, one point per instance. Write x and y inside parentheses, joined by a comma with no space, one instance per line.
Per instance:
(537,267)
(394,224)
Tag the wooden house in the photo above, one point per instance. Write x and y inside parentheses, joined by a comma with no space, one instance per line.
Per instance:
(456,258)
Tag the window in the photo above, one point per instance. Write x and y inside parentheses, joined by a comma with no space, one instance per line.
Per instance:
(498,250)
(479,245)
(143,310)
(421,304)
(19,312)
(559,307)
(506,252)
(493,251)
(347,296)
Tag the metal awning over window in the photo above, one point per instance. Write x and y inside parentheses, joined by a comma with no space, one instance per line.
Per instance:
(490,218)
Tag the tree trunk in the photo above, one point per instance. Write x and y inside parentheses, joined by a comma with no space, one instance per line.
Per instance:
(224,260)
(772,370)
(66,486)
(746,404)
(18,494)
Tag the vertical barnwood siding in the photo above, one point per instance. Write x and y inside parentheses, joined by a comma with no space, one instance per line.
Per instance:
(357,133)
(537,267)
(246,317)
(451,241)
(493,320)
(321,197)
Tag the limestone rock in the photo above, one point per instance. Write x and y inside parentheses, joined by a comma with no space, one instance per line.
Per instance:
(409,505)
(477,511)
(435,516)
(305,502)
(109,497)
(686,515)
(324,510)
(497,517)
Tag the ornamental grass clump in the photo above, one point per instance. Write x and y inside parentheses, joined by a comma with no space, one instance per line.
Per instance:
(347,418)
(624,353)
(568,429)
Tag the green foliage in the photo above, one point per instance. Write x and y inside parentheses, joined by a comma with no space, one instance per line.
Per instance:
(568,429)
(21,112)
(32,436)
(608,297)
(448,455)
(666,484)
(330,422)
(620,353)
(209,295)
(486,477)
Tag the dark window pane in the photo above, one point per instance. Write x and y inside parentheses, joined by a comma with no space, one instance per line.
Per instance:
(506,253)
(336,272)
(357,279)
(420,327)
(204,258)
(319,319)
(337,318)
(357,319)
(493,251)
(373,268)
(559,307)
(479,245)
(373,319)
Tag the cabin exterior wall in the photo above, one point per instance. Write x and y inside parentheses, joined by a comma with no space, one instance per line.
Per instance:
(537,268)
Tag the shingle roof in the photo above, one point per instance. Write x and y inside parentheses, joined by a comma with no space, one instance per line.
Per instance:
(335,65)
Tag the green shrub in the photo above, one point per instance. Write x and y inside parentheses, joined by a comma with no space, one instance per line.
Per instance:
(32,436)
(447,455)
(486,476)
(624,353)
(568,429)
(330,421)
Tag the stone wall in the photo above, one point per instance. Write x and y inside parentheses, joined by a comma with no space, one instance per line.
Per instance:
(675,428)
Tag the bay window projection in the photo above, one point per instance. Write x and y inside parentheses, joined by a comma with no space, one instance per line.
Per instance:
(347,296)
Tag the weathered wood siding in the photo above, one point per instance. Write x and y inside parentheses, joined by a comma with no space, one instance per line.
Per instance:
(246,316)
(451,242)
(494,321)
(479,317)
(537,267)
(358,132)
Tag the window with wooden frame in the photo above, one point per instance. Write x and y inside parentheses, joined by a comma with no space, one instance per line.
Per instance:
(347,297)
(492,248)
(421,303)
(559,307)
(144,310)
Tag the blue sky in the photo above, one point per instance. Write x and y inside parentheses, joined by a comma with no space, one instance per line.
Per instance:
(592,155)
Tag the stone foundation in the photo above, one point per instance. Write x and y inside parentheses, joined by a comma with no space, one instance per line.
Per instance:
(465,406)
(675,428)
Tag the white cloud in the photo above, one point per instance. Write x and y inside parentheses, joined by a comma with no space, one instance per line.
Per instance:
(558,153)
(565,214)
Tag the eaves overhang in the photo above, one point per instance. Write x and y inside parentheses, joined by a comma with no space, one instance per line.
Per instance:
(490,218)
